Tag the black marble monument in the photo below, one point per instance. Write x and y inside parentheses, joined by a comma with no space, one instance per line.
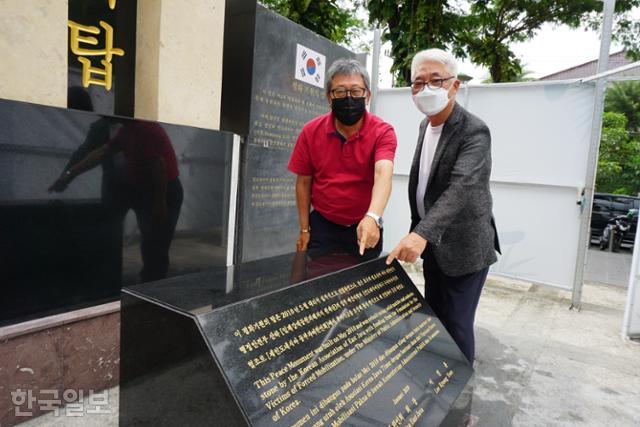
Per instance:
(292,340)
(273,83)
(77,246)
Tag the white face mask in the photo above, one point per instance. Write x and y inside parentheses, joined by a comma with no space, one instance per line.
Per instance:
(431,101)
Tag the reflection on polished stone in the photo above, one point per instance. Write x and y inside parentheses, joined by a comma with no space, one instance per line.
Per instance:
(299,339)
(89,203)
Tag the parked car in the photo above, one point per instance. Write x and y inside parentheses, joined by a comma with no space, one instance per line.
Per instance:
(608,206)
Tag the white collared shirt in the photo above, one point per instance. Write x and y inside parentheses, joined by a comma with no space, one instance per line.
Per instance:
(429,145)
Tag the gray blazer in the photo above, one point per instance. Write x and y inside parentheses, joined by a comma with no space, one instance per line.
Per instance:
(458,223)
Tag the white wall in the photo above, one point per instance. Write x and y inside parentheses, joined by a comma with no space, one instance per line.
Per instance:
(540,140)
(33,51)
(179,61)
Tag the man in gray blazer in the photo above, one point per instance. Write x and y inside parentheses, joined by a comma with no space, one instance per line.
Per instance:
(452,226)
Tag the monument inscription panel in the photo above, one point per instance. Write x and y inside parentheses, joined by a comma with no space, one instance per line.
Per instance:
(292,340)
(273,83)
(358,347)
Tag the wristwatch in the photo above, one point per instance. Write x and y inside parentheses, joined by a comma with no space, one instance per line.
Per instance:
(376,218)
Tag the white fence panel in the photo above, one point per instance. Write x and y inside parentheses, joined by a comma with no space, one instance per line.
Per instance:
(540,141)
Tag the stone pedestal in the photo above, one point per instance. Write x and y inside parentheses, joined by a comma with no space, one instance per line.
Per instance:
(77,350)
(289,340)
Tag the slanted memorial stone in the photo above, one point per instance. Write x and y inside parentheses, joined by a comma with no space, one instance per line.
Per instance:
(265,344)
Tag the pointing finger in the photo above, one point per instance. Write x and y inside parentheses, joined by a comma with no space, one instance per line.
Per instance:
(392,255)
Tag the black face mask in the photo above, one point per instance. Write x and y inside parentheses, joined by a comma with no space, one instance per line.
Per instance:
(348,110)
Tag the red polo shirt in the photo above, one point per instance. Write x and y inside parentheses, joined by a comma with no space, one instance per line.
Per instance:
(343,172)
(141,141)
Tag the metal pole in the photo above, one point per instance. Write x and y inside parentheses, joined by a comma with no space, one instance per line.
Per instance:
(375,69)
(614,71)
(592,162)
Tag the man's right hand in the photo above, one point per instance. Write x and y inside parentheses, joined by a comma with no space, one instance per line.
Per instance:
(409,248)
(303,241)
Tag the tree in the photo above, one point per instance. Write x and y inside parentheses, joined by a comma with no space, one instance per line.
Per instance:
(624,97)
(483,30)
(523,76)
(406,24)
(491,26)
(324,17)
(625,30)
(619,159)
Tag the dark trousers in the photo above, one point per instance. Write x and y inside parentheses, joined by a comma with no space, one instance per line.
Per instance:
(156,234)
(454,300)
(328,237)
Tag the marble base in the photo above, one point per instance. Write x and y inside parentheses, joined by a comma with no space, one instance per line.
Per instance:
(168,375)
(77,351)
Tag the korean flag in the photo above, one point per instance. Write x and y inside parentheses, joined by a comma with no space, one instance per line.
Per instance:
(309,66)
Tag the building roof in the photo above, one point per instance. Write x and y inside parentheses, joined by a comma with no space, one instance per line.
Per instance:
(590,68)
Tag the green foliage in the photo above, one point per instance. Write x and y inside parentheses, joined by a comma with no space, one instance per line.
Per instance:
(624,97)
(484,30)
(625,28)
(523,75)
(324,17)
(413,26)
(626,33)
(619,159)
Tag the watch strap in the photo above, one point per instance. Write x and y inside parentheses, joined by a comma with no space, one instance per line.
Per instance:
(377,218)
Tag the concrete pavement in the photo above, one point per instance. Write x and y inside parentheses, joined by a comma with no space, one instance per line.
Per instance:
(608,267)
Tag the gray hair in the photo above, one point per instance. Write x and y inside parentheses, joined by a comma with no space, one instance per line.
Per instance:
(346,67)
(437,55)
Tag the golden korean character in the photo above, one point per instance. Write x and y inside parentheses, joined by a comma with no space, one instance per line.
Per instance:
(78,38)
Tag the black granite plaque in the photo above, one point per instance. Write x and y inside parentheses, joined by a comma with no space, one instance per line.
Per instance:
(78,245)
(105,71)
(273,81)
(265,343)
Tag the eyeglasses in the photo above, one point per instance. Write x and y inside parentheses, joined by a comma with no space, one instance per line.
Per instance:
(356,92)
(418,85)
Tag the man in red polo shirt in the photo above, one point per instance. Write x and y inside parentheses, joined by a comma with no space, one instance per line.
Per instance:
(344,163)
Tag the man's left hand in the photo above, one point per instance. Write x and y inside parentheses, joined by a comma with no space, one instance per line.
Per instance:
(409,248)
(368,234)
